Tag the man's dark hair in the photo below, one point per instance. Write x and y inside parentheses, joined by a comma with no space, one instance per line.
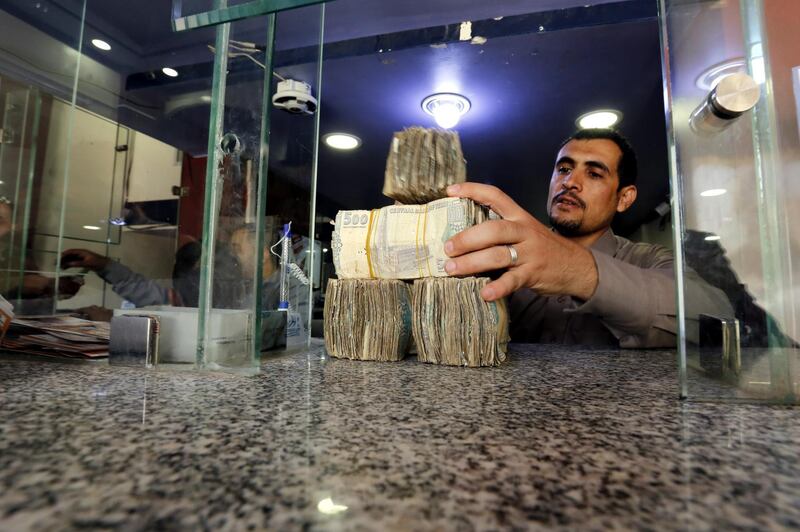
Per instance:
(627,167)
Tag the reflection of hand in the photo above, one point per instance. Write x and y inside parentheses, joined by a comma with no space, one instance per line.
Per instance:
(547,262)
(68,286)
(95,313)
(35,285)
(83,258)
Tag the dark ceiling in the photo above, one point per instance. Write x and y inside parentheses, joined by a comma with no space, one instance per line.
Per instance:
(544,64)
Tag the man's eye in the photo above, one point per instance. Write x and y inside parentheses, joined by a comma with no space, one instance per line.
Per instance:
(564,169)
(595,175)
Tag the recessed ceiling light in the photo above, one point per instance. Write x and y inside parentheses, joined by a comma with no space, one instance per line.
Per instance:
(601,119)
(710,193)
(342,141)
(447,108)
(101,44)
(711,238)
(91,227)
(171,72)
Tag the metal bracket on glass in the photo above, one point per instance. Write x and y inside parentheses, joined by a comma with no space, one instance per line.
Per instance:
(212,17)
(733,96)
(720,352)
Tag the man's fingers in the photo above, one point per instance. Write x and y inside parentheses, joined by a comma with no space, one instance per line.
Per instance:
(493,258)
(484,235)
(491,196)
(504,286)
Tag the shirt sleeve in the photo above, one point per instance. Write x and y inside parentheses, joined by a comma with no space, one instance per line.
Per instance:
(134,287)
(637,302)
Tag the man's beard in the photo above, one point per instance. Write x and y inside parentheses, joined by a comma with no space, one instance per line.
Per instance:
(567,228)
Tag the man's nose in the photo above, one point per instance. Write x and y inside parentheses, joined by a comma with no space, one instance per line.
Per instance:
(572,181)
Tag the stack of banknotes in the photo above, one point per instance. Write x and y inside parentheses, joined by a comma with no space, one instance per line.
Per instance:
(454,326)
(379,253)
(422,163)
(368,320)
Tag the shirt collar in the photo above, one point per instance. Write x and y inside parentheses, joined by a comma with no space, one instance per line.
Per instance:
(607,243)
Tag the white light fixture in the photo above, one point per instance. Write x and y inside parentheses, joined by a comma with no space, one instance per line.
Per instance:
(342,141)
(101,44)
(447,108)
(710,193)
(601,119)
(91,227)
(171,72)
(712,238)
(328,507)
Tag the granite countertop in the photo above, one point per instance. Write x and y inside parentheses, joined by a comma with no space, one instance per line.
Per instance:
(559,437)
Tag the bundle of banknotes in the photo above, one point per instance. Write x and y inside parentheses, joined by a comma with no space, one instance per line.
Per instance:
(367,320)
(369,309)
(422,163)
(400,241)
(454,326)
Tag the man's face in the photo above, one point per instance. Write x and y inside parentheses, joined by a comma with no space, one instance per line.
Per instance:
(583,194)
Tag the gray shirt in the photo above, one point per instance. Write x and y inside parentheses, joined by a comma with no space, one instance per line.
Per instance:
(633,306)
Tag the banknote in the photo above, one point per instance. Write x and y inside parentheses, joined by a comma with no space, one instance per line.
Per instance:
(421,164)
(400,241)
(453,325)
(367,319)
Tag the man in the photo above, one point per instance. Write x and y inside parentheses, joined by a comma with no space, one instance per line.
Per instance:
(577,282)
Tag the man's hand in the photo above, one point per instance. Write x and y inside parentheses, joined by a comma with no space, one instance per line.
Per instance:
(95,313)
(547,262)
(83,258)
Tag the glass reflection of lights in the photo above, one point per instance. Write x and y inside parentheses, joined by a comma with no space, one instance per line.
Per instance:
(328,507)
(101,45)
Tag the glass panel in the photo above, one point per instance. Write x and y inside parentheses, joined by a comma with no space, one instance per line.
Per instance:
(39,62)
(735,226)
(190,14)
(243,267)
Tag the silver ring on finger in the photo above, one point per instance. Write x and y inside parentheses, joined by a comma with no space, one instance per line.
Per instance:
(514,256)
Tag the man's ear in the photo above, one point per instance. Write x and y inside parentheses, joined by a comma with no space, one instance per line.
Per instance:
(625,198)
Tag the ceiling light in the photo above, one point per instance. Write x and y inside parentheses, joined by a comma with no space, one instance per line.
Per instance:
(710,193)
(712,238)
(447,108)
(171,72)
(602,119)
(91,227)
(342,141)
(101,44)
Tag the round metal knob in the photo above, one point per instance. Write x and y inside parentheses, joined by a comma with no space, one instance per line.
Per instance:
(733,96)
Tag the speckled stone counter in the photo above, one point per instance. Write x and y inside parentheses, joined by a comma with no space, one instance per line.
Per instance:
(558,438)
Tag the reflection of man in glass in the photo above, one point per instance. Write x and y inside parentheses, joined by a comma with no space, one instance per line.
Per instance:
(243,247)
(36,289)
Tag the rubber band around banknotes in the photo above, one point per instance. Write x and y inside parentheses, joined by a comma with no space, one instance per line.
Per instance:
(424,227)
(369,238)
(416,243)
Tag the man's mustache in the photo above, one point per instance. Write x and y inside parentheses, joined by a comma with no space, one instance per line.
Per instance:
(571,196)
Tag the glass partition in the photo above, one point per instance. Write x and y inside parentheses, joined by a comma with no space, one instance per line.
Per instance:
(133,173)
(735,196)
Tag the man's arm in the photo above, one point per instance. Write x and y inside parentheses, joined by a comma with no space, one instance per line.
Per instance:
(636,298)
(636,302)
(130,285)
